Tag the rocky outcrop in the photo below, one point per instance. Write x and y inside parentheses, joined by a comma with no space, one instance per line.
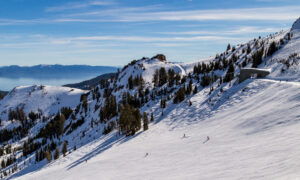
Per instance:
(160,57)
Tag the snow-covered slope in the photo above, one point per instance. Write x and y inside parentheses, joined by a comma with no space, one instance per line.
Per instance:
(146,68)
(254,134)
(285,62)
(46,99)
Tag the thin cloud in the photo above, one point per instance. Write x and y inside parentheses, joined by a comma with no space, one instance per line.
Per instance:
(141,39)
(114,11)
(138,15)
(141,14)
(275,13)
(85,41)
(240,30)
(71,6)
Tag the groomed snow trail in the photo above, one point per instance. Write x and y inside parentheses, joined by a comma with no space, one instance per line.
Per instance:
(254,134)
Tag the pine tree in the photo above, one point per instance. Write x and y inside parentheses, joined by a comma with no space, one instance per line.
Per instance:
(137,121)
(92,123)
(195,91)
(25,148)
(272,49)
(145,121)
(171,77)
(130,82)
(41,155)
(62,121)
(64,149)
(179,95)
(130,120)
(3,165)
(228,47)
(177,79)
(230,73)
(257,57)
(248,49)
(156,78)
(163,76)
(152,117)
(56,155)
(37,156)
(163,103)
(233,48)
(48,156)
(189,87)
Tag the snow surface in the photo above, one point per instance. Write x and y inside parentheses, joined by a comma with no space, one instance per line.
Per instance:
(48,99)
(254,134)
(146,69)
(292,47)
(189,67)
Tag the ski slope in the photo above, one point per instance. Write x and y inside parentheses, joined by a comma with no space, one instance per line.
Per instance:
(253,129)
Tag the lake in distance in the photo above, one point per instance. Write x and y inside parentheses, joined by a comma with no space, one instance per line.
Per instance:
(7,84)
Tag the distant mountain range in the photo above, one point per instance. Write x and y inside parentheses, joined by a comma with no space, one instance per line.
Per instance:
(53,71)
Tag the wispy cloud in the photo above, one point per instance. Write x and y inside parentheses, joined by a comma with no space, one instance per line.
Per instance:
(141,39)
(114,11)
(136,14)
(237,31)
(71,6)
(30,41)
(143,14)
(272,13)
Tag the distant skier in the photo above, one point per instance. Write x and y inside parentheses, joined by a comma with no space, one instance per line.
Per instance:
(147,154)
(184,136)
(207,139)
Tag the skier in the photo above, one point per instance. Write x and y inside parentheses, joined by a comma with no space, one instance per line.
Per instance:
(146,154)
(207,139)
(184,136)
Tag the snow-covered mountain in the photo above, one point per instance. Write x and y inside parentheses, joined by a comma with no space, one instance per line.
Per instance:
(203,124)
(46,99)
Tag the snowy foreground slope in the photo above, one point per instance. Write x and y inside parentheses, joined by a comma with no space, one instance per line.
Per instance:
(254,134)
(204,124)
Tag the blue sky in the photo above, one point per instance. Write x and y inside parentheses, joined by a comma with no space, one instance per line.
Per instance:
(114,32)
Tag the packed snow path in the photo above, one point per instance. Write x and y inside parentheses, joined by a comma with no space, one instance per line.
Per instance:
(254,134)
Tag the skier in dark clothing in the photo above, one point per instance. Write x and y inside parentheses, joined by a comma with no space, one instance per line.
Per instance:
(207,139)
